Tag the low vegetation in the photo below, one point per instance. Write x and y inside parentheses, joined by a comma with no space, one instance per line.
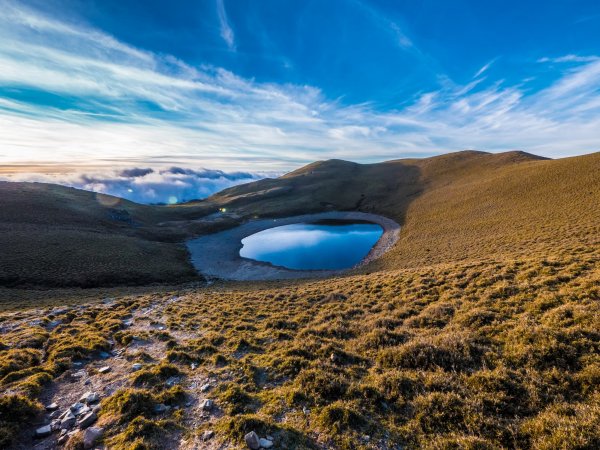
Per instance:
(480,330)
(476,355)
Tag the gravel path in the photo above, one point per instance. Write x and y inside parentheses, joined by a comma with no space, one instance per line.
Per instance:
(218,255)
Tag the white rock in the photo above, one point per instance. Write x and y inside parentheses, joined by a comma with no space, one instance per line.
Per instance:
(208,435)
(205,387)
(252,440)
(265,443)
(104,369)
(44,431)
(89,397)
(79,374)
(87,420)
(136,367)
(51,407)
(207,404)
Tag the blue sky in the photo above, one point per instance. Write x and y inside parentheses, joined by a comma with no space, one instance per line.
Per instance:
(268,85)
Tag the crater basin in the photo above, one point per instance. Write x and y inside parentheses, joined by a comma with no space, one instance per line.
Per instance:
(312,246)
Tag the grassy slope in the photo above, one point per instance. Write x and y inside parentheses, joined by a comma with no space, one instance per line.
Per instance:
(57,236)
(479,331)
(454,207)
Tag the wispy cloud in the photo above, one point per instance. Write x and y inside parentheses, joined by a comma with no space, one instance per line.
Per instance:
(484,68)
(569,59)
(226,30)
(102,101)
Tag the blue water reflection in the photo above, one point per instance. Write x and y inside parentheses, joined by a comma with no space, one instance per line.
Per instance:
(305,246)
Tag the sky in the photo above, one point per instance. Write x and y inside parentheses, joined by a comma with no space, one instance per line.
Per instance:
(93,88)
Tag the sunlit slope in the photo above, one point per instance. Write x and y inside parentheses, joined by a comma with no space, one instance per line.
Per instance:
(456,206)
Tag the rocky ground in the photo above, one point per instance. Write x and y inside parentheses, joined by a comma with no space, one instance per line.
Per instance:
(73,401)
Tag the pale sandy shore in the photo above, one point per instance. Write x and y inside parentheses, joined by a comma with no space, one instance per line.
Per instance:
(218,255)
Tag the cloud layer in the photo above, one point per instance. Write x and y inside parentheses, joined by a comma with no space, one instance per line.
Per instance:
(99,100)
(146,185)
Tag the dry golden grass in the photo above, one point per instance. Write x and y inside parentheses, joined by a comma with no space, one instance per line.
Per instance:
(479,330)
(500,354)
(461,206)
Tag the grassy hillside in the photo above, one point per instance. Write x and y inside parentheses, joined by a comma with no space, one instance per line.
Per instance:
(57,236)
(454,207)
(458,206)
(454,356)
(479,330)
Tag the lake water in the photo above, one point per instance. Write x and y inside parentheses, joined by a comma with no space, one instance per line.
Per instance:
(305,246)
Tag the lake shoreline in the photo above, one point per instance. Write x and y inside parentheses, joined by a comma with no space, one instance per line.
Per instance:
(217,255)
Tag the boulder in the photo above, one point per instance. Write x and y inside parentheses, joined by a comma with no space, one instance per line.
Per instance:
(91,435)
(68,421)
(252,440)
(76,406)
(87,420)
(136,367)
(104,369)
(89,397)
(44,431)
(52,407)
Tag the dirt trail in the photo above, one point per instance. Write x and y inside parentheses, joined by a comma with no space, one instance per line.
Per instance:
(218,255)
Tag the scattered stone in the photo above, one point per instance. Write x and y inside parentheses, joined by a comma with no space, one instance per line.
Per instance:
(53,324)
(160,408)
(193,366)
(104,369)
(44,431)
(77,364)
(79,374)
(207,404)
(87,420)
(172,381)
(270,438)
(208,435)
(90,397)
(305,410)
(51,407)
(54,414)
(76,407)
(55,425)
(252,440)
(62,439)
(136,367)
(68,421)
(205,387)
(91,435)
(87,382)
(265,443)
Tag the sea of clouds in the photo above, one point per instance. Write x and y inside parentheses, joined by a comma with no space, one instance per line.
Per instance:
(148,185)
